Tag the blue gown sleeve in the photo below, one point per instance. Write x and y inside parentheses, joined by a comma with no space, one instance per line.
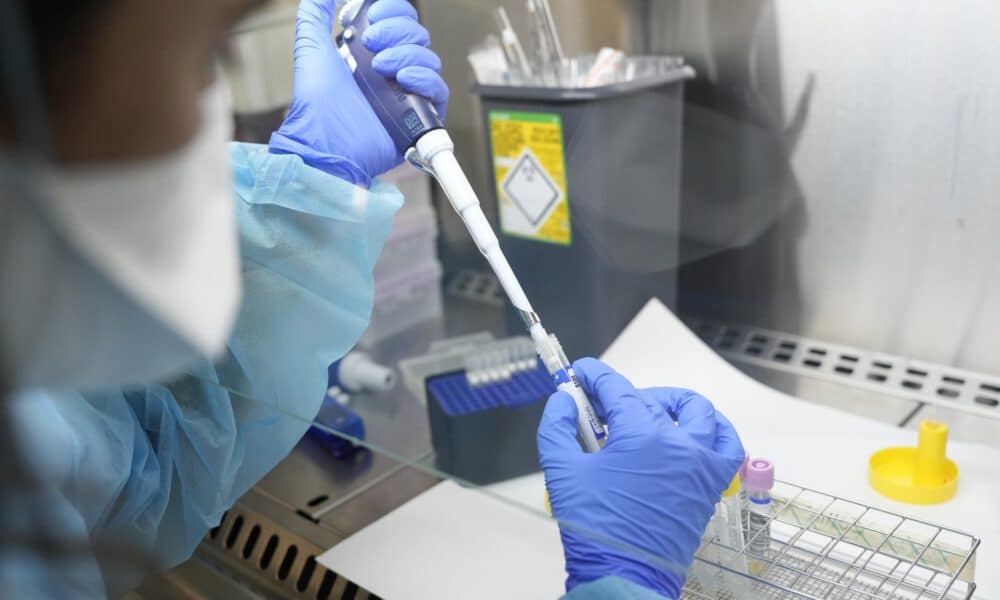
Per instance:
(154,467)
(613,588)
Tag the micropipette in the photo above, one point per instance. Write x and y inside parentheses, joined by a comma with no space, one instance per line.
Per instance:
(418,132)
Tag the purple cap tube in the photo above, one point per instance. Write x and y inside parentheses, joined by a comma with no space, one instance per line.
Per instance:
(760,474)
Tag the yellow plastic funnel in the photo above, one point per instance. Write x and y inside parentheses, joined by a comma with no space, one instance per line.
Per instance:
(921,475)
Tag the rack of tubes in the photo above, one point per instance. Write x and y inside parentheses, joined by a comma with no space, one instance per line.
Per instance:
(821,547)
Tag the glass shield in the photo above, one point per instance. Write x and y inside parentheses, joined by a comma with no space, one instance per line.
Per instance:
(661,182)
(728,203)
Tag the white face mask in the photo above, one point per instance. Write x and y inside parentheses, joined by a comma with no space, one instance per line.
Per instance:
(145,278)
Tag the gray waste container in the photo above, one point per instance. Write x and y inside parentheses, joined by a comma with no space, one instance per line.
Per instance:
(587,186)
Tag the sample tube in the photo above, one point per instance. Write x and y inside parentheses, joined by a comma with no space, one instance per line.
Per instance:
(728,579)
(716,579)
(733,543)
(744,499)
(760,482)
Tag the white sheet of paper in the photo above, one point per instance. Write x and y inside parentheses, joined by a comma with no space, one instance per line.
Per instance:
(453,543)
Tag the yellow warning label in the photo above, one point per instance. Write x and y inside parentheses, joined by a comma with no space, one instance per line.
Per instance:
(530,170)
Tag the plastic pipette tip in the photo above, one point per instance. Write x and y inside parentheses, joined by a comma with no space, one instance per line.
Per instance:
(921,475)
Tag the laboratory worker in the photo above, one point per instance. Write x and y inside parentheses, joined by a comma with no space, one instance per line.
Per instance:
(137,245)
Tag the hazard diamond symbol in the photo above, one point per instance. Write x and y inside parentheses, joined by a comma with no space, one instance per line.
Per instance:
(531,189)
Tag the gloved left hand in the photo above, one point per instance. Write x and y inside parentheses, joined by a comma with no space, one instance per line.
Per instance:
(330,124)
(637,508)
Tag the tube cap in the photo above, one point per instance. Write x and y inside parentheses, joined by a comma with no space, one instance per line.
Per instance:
(733,489)
(760,474)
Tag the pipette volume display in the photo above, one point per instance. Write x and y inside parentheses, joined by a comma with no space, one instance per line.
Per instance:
(419,134)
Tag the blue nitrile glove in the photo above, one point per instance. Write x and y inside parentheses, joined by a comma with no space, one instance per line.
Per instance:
(330,124)
(636,509)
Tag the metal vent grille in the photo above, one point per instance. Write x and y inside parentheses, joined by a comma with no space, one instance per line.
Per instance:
(276,560)
(920,381)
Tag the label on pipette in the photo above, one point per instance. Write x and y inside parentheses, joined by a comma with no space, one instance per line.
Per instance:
(530,170)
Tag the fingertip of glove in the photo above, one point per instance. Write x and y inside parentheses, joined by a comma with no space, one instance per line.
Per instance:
(384,65)
(396,59)
(395,31)
(418,75)
(587,366)
(556,436)
(559,406)
(385,9)
(586,362)
(319,10)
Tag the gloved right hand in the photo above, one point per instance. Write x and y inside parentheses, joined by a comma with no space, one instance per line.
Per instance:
(636,509)
(330,124)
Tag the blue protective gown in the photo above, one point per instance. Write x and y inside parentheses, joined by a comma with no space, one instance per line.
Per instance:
(152,468)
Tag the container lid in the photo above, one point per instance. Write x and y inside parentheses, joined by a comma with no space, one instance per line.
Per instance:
(576,94)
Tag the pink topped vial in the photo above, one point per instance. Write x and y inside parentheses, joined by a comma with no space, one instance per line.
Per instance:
(760,474)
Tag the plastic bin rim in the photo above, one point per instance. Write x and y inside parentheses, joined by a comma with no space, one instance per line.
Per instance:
(558,94)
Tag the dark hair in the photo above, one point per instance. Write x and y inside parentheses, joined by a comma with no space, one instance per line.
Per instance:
(36,36)
(57,26)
